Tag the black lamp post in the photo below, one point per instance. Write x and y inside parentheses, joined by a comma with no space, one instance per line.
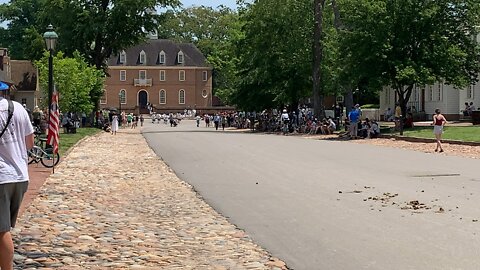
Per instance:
(120,109)
(50,39)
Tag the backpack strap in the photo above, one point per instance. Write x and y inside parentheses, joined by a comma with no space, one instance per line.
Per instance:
(10,115)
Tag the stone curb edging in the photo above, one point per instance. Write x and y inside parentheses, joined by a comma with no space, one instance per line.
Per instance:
(427,140)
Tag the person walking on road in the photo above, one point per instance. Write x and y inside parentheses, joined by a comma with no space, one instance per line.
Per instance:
(353,117)
(198,118)
(141,120)
(224,121)
(438,122)
(216,121)
(114,124)
(207,120)
(16,137)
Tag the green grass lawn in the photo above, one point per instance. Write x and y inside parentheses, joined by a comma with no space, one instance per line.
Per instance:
(69,140)
(470,134)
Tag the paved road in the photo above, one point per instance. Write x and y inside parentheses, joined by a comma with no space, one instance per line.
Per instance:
(333,205)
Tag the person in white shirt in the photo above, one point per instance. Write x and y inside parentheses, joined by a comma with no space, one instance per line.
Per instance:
(471,108)
(331,126)
(374,130)
(14,143)
(285,116)
(198,118)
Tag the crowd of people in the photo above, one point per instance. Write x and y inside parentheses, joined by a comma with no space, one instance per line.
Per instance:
(301,121)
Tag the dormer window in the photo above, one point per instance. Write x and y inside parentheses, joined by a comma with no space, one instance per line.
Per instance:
(180,57)
(143,57)
(123,57)
(161,57)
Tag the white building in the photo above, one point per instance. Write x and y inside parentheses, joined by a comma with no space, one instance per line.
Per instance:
(425,99)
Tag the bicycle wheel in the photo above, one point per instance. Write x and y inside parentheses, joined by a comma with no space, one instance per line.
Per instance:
(32,159)
(33,155)
(49,159)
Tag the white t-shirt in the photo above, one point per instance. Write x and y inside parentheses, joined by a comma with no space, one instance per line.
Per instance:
(13,151)
(332,124)
(285,116)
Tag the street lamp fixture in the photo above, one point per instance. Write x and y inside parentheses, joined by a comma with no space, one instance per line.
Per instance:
(50,40)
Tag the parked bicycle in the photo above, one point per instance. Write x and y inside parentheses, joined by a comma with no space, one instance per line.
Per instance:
(42,153)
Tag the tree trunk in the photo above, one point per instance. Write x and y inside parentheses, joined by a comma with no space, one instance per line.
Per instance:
(348,100)
(403,98)
(317,58)
(337,22)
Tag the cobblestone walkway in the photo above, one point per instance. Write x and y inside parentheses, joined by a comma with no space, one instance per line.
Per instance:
(113,204)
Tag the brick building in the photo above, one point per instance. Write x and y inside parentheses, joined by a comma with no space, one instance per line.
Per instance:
(170,76)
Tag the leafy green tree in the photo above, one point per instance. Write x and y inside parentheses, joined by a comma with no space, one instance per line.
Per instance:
(318,56)
(411,42)
(213,31)
(22,36)
(275,54)
(95,28)
(75,80)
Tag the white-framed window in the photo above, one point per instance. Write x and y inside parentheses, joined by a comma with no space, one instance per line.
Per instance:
(161,57)
(181,96)
(143,57)
(205,76)
(181,75)
(123,75)
(439,91)
(123,57)
(470,91)
(163,96)
(103,98)
(180,57)
(415,94)
(142,74)
(204,93)
(123,96)
(162,75)
(430,92)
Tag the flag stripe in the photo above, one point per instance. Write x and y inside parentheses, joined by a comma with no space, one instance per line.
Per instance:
(53,123)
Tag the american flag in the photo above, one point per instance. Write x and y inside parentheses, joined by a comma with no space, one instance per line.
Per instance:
(53,123)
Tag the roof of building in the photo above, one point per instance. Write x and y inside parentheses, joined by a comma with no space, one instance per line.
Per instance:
(153,48)
(24,75)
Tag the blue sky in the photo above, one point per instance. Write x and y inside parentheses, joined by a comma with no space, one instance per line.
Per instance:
(188,3)
(211,3)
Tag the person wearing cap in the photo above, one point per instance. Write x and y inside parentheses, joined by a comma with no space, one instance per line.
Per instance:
(14,143)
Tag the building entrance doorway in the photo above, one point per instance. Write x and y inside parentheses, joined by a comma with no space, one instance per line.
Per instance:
(142,102)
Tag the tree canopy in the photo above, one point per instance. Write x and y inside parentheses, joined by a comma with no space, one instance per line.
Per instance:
(275,54)
(213,31)
(272,53)
(411,42)
(95,28)
(75,81)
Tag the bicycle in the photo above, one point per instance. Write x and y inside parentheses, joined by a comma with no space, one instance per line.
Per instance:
(42,154)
